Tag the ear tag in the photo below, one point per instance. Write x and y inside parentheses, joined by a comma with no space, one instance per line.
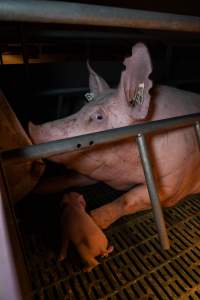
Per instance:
(138,97)
(89,97)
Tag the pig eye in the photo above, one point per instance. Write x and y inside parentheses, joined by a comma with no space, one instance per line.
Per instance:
(99,117)
(96,116)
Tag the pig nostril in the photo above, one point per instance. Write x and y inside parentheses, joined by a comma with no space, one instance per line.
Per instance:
(78,145)
(91,143)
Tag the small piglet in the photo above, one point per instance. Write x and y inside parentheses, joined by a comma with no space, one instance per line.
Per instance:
(79,227)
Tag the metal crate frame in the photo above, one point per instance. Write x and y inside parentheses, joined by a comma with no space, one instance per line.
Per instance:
(82,14)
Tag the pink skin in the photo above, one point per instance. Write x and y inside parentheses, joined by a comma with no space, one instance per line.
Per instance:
(78,227)
(174,154)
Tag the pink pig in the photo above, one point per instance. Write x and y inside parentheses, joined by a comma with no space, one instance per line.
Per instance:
(174,154)
(78,227)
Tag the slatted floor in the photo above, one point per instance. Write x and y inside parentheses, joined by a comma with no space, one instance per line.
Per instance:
(137,269)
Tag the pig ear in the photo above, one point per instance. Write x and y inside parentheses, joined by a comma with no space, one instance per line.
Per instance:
(97,83)
(32,130)
(135,83)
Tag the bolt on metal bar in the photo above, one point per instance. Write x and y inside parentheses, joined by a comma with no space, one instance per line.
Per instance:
(151,186)
(95,15)
(197,130)
(90,140)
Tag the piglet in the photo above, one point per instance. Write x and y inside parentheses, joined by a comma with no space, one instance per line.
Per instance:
(77,226)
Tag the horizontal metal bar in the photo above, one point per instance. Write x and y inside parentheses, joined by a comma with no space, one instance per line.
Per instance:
(61,91)
(89,140)
(33,34)
(69,91)
(96,15)
(151,186)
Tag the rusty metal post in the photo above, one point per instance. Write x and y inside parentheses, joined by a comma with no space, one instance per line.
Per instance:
(156,206)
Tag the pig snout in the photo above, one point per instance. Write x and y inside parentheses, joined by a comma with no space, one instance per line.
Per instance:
(48,132)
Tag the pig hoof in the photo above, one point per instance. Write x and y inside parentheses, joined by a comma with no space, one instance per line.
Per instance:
(108,251)
(87,269)
(61,257)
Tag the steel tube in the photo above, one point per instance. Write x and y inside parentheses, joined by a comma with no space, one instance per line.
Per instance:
(95,15)
(92,139)
(61,92)
(14,282)
(197,130)
(150,182)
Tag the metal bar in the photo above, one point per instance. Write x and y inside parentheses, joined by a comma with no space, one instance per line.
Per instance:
(61,91)
(92,139)
(96,15)
(14,282)
(197,130)
(150,182)
(168,61)
(25,57)
(123,34)
(1,59)
(59,106)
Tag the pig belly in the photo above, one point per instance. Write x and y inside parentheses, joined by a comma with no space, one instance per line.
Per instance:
(183,182)
(117,165)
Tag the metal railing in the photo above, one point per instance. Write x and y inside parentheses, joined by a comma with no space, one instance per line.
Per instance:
(90,140)
(95,15)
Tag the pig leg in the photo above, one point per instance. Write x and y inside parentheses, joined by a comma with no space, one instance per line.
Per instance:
(59,183)
(64,239)
(135,200)
(91,263)
(108,251)
(64,247)
(87,256)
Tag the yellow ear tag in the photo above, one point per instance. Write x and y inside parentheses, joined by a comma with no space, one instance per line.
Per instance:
(138,97)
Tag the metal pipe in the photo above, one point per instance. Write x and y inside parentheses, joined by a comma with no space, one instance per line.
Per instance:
(197,130)
(95,15)
(150,182)
(59,106)
(92,139)
(14,282)
(61,91)
(35,34)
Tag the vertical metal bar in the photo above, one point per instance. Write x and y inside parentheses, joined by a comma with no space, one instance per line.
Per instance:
(168,61)
(197,130)
(1,58)
(14,283)
(25,56)
(157,210)
(59,106)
